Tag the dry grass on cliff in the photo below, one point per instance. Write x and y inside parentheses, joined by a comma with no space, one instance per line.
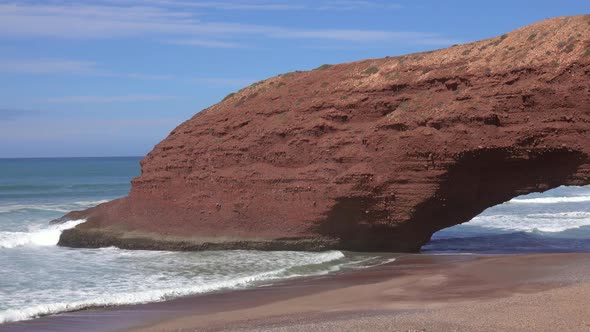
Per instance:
(552,44)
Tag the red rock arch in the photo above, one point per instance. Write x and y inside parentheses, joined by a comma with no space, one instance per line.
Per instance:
(348,158)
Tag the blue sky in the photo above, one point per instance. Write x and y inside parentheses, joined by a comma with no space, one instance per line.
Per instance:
(114,77)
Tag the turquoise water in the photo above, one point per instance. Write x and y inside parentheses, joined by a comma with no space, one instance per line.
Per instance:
(38,278)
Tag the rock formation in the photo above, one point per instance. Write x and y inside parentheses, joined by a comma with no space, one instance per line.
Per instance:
(374,155)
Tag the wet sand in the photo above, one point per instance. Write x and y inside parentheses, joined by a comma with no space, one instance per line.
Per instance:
(538,292)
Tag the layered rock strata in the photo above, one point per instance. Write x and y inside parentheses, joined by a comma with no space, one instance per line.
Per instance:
(374,155)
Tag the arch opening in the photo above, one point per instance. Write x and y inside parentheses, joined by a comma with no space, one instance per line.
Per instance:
(472,183)
(511,202)
(554,221)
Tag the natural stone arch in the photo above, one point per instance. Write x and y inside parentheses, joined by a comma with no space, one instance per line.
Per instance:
(478,180)
(486,178)
(343,157)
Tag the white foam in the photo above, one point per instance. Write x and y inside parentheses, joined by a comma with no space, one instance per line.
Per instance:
(324,257)
(94,300)
(12,315)
(64,208)
(90,203)
(544,222)
(551,200)
(47,236)
(391,260)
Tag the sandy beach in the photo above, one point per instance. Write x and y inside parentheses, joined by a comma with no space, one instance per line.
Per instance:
(540,292)
(293,166)
(426,293)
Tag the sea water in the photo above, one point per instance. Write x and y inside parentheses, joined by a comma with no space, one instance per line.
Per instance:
(555,221)
(39,278)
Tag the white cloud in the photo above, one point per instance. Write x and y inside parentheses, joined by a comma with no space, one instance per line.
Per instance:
(235,5)
(67,66)
(159,18)
(357,5)
(258,5)
(109,99)
(354,35)
(204,43)
(89,21)
(88,68)
(44,66)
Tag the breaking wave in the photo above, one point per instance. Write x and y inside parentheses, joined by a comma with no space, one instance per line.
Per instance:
(551,200)
(544,222)
(63,208)
(12,315)
(47,236)
(177,289)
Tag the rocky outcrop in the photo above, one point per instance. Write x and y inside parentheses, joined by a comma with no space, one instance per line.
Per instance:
(370,155)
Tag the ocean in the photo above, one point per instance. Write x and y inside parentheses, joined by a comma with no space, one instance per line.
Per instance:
(556,221)
(39,278)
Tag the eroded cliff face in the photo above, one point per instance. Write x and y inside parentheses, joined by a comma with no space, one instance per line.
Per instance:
(371,155)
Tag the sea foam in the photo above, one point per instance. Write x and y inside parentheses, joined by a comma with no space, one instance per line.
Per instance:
(550,200)
(157,295)
(63,208)
(544,222)
(47,236)
(178,289)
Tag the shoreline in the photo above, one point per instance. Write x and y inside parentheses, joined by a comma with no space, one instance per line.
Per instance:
(411,292)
